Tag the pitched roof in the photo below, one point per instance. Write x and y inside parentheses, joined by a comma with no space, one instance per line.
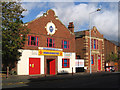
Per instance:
(80,33)
(94,33)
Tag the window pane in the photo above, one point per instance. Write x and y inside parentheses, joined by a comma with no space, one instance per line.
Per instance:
(65,42)
(62,43)
(91,59)
(33,43)
(50,40)
(28,37)
(47,40)
(33,38)
(94,44)
(28,40)
(65,46)
(97,44)
(50,45)
(65,60)
(37,41)
(68,45)
(37,38)
(65,64)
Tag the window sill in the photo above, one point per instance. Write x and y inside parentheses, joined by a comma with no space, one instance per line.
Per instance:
(65,67)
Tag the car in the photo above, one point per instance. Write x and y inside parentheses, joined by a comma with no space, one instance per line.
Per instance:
(110,68)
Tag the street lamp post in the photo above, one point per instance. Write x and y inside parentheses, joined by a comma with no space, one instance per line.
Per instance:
(90,36)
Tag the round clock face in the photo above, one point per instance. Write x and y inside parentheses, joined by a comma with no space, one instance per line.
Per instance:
(50,28)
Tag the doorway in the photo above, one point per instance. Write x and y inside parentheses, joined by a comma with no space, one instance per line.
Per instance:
(51,66)
(99,63)
(34,66)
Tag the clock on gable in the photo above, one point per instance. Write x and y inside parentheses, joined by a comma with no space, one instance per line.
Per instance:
(50,27)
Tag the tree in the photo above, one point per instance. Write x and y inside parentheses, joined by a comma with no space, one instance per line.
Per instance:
(112,57)
(13,33)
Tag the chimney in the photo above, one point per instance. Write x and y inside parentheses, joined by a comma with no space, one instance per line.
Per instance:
(71,27)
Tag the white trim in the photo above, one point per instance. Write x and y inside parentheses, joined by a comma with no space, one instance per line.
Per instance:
(47,48)
(48,28)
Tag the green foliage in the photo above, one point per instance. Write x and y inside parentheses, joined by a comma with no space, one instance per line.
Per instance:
(12,29)
(112,57)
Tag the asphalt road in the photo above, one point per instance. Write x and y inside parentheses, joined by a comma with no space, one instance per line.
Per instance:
(111,80)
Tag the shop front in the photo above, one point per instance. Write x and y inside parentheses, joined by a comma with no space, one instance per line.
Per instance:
(50,62)
(50,59)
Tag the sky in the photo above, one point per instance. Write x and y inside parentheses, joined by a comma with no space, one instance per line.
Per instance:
(106,20)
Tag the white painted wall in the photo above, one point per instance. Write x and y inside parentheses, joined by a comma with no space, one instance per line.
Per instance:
(23,64)
(72,64)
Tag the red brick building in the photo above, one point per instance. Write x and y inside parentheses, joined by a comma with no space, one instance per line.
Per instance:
(82,41)
(119,57)
(110,49)
(50,47)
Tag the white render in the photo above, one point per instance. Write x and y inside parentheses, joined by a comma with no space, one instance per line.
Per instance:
(23,63)
(72,64)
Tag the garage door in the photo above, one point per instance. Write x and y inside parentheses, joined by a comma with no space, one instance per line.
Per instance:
(34,66)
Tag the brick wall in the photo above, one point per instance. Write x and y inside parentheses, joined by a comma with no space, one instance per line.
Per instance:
(38,28)
(109,48)
(83,48)
(80,50)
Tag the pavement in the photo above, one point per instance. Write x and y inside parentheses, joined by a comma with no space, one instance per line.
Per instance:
(25,79)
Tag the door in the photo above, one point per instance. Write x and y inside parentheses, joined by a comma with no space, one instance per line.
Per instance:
(34,66)
(99,63)
(51,66)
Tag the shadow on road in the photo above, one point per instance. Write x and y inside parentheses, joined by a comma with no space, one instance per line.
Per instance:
(99,80)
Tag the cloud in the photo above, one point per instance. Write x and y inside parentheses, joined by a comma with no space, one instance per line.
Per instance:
(69,0)
(75,13)
(69,12)
(29,6)
(106,21)
(40,14)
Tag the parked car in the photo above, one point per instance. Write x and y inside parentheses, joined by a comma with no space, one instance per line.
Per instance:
(110,68)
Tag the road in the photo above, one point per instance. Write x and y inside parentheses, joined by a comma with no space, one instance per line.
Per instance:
(111,80)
